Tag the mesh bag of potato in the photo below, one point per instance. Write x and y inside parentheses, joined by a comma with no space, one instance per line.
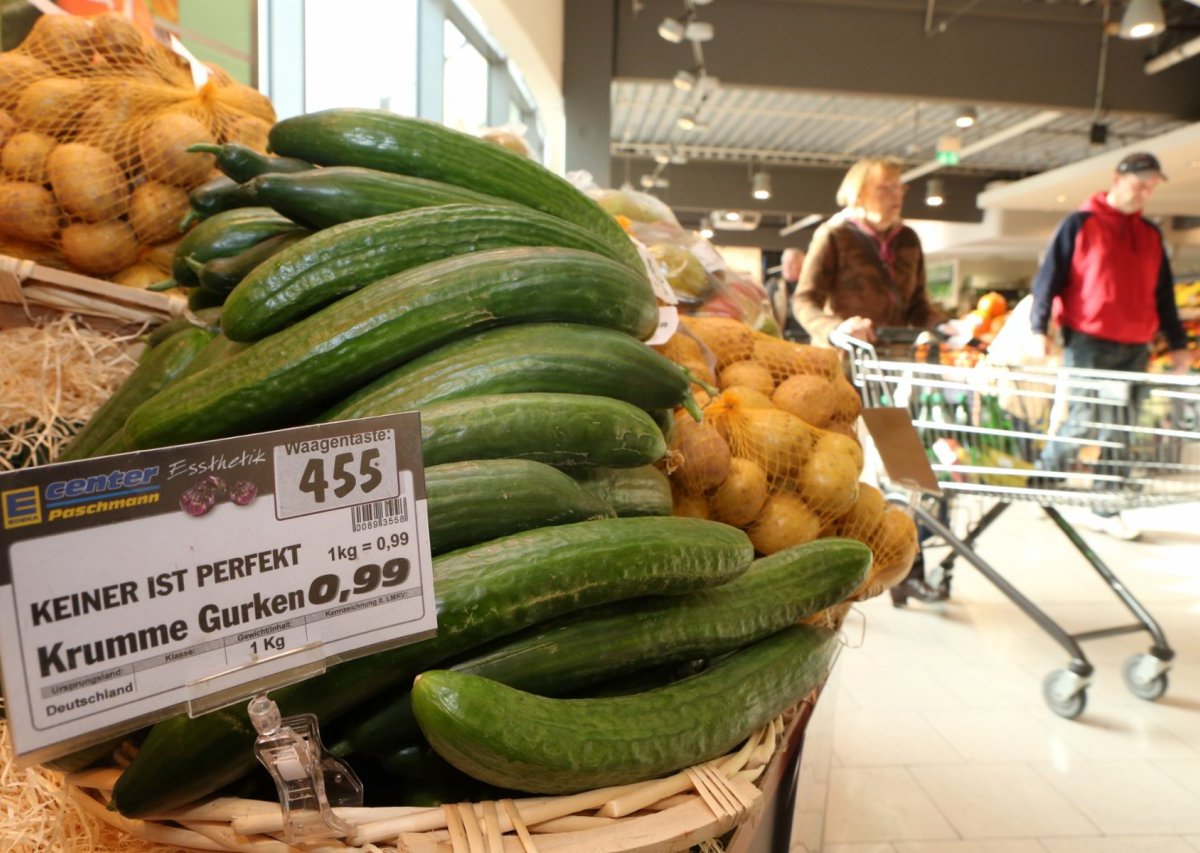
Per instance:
(777,453)
(95,120)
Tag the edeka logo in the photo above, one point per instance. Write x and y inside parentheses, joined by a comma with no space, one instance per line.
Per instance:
(21,507)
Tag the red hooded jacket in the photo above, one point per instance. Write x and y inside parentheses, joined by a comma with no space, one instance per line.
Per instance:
(1106,274)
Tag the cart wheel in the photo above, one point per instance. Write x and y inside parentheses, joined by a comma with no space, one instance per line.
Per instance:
(1140,687)
(1058,683)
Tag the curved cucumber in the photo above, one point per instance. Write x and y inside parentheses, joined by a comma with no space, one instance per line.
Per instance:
(482,593)
(342,259)
(559,429)
(556,357)
(224,234)
(579,651)
(475,501)
(222,275)
(290,375)
(514,739)
(644,490)
(242,163)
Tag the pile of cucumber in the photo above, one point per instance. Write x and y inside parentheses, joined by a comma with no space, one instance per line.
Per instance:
(380,264)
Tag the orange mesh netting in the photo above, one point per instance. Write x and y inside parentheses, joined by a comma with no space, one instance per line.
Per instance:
(95,119)
(777,453)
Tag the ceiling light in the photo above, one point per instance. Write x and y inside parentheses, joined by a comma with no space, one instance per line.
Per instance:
(965,118)
(662,158)
(672,30)
(699,31)
(736,220)
(678,158)
(654,182)
(706,229)
(689,121)
(684,80)
(935,192)
(1142,19)
(761,186)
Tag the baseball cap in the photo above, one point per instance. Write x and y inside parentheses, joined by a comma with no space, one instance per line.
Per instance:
(1140,161)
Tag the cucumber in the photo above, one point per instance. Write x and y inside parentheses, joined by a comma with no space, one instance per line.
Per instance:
(643,490)
(225,234)
(156,370)
(293,373)
(474,501)
(214,196)
(220,348)
(514,739)
(482,593)
(205,318)
(242,163)
(377,139)
(586,649)
(563,430)
(324,197)
(342,259)
(221,275)
(199,299)
(556,357)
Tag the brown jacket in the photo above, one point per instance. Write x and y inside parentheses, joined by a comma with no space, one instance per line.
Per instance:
(844,276)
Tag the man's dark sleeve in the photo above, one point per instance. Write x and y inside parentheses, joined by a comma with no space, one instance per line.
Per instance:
(1052,277)
(1168,313)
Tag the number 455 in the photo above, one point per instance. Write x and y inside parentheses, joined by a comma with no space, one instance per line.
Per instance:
(345,480)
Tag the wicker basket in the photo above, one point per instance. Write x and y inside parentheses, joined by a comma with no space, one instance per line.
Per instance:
(675,813)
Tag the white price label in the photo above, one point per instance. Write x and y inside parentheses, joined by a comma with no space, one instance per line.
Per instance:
(135,586)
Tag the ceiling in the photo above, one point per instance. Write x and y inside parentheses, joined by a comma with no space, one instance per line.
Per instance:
(802,88)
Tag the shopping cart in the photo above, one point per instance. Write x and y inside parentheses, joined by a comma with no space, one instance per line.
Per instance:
(1096,439)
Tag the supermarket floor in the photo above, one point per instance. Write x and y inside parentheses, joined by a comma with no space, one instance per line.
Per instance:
(933,735)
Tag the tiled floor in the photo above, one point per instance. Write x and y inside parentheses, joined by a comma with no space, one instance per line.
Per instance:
(939,740)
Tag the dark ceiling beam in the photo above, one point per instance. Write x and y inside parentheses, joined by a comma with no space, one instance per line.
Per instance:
(1046,56)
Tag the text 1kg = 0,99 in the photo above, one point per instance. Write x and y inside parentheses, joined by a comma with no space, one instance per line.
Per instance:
(317,475)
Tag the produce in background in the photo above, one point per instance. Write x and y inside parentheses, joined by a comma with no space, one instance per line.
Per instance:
(96,119)
(777,453)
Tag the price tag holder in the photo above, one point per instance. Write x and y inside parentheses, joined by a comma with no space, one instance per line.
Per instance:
(136,586)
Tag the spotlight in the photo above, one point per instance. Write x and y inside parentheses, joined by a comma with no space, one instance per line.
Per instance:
(672,29)
(965,118)
(678,158)
(760,186)
(689,121)
(662,158)
(684,81)
(935,193)
(654,182)
(706,229)
(699,31)
(1142,19)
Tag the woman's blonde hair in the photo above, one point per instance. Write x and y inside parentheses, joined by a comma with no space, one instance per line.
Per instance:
(856,176)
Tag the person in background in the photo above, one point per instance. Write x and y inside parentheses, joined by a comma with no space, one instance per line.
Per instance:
(780,292)
(865,269)
(1107,281)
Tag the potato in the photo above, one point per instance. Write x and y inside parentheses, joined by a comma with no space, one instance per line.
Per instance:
(110,126)
(63,41)
(155,211)
(690,506)
(749,374)
(249,131)
(700,371)
(829,482)
(786,359)
(17,71)
(87,182)
(727,339)
(809,397)
(739,397)
(705,459)
(141,275)
(681,347)
(162,254)
(100,248)
(8,126)
(39,253)
(24,156)
(52,105)
(244,99)
(117,39)
(28,211)
(895,547)
(780,443)
(785,520)
(162,146)
(737,501)
(863,517)
(848,405)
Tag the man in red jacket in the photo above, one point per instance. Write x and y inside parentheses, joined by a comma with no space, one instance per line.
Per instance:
(1107,281)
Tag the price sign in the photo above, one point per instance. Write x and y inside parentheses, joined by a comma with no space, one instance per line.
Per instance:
(128,582)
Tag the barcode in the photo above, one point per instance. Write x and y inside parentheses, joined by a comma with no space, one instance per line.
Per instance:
(380,513)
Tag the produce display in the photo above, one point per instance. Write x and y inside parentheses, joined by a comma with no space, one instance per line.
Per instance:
(626,541)
(95,122)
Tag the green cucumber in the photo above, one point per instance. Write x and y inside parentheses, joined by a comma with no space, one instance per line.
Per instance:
(342,259)
(214,196)
(563,430)
(377,139)
(518,740)
(474,501)
(199,299)
(555,357)
(221,275)
(643,490)
(242,163)
(205,318)
(294,373)
(155,371)
(324,197)
(482,593)
(220,348)
(225,234)
(585,649)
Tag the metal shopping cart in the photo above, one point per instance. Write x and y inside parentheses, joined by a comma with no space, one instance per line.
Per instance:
(1096,439)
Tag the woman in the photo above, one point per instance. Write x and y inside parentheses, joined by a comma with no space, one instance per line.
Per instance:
(865,269)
